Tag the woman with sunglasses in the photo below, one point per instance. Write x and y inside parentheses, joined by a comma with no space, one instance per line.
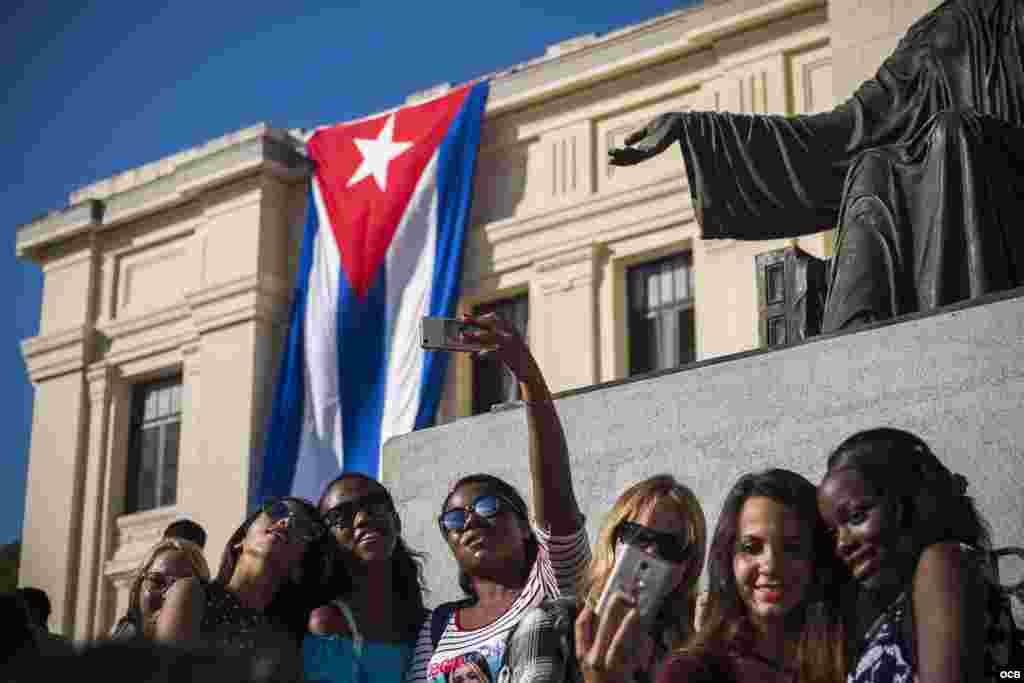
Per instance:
(261,598)
(663,518)
(507,562)
(167,562)
(367,631)
(772,610)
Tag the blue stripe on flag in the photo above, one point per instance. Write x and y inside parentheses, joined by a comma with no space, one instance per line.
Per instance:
(286,417)
(362,366)
(456,164)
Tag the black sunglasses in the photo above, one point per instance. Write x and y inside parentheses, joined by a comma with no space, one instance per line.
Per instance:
(672,547)
(301,526)
(486,507)
(343,514)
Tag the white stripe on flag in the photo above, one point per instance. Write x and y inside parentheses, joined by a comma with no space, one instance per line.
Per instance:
(410,278)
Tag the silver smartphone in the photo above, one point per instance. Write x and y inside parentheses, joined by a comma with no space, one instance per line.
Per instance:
(447,334)
(645,577)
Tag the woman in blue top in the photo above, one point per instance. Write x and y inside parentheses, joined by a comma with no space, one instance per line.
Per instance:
(366,632)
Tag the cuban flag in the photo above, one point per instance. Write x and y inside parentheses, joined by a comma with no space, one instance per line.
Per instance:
(389,204)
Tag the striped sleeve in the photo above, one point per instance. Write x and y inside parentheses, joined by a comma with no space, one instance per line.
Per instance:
(417,671)
(564,559)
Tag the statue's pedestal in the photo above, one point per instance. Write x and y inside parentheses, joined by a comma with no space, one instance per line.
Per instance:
(956,377)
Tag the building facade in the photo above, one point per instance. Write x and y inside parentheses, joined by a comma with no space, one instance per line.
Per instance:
(166,288)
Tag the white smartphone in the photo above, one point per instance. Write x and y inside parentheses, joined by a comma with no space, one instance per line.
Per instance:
(645,577)
(447,334)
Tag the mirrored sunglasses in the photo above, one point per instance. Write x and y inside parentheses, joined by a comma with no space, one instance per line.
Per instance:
(301,527)
(486,507)
(343,515)
(671,547)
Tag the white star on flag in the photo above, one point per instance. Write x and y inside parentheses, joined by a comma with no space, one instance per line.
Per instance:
(377,154)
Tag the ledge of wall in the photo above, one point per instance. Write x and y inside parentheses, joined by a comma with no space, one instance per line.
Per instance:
(956,377)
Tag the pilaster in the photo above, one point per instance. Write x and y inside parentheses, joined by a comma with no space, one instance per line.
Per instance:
(565,302)
(98,380)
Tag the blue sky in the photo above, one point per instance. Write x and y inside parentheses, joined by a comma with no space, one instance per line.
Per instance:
(106,87)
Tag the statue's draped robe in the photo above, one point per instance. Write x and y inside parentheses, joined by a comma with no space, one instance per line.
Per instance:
(920,169)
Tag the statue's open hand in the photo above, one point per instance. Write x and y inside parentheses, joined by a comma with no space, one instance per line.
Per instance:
(650,140)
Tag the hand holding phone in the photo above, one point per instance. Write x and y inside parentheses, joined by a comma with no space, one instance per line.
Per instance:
(448,334)
(646,579)
(610,648)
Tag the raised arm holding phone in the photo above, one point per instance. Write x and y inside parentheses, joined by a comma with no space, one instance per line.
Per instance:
(509,559)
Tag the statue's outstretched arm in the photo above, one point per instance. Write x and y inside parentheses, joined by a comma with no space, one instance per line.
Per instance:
(654,138)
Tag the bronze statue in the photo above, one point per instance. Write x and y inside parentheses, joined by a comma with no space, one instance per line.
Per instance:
(920,169)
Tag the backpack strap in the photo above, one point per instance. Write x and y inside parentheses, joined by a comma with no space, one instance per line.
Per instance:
(441,615)
(350,619)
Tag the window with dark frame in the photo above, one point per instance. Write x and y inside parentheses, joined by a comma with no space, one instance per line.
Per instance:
(493,383)
(662,329)
(155,438)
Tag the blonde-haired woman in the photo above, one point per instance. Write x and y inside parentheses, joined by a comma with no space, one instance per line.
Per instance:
(664,518)
(166,562)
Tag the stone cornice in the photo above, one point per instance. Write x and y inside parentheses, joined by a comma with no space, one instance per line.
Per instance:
(125,327)
(56,353)
(247,298)
(273,152)
(261,297)
(662,39)
(136,534)
(586,254)
(592,205)
(179,179)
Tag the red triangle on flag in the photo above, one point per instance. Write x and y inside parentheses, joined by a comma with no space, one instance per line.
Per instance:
(353,161)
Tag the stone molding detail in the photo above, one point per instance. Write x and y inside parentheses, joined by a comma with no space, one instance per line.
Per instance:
(253,297)
(57,353)
(101,378)
(256,297)
(754,93)
(138,193)
(191,357)
(569,270)
(630,49)
(135,535)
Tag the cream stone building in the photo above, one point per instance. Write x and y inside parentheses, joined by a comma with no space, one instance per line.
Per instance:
(166,288)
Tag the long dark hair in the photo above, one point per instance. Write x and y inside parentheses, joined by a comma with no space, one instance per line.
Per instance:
(900,465)
(508,491)
(727,626)
(406,567)
(297,596)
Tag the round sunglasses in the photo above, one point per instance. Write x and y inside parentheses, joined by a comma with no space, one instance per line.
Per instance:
(343,515)
(486,507)
(671,547)
(301,527)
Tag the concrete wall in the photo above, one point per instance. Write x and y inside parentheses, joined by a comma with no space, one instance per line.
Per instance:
(955,377)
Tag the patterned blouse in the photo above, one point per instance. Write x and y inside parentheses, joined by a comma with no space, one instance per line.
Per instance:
(230,625)
(888,658)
